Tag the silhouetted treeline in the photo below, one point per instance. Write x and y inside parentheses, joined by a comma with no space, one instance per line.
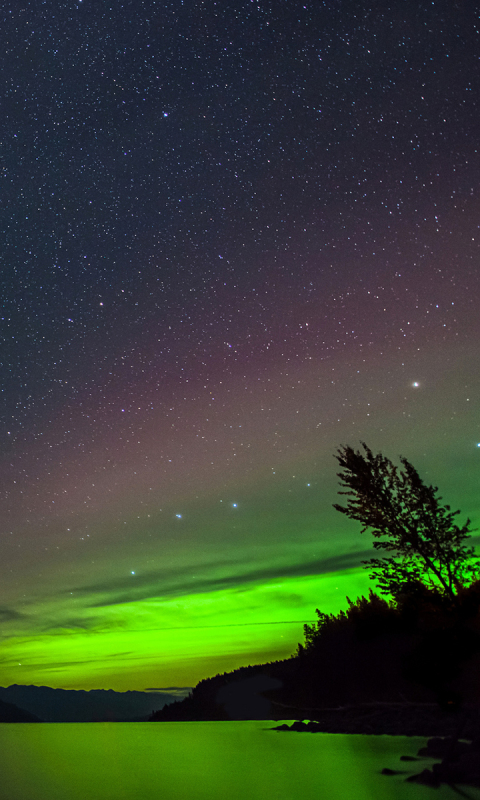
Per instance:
(211,699)
(418,650)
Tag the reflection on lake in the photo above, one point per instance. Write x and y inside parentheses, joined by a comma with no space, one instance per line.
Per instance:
(202,761)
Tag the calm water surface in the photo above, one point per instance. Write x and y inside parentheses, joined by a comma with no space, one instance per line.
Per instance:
(202,761)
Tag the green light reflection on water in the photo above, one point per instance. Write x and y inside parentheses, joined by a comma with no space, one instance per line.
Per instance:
(201,761)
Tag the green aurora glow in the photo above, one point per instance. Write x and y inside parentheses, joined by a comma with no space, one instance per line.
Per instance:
(132,645)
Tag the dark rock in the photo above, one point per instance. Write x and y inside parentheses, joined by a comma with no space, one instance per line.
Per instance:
(426,777)
(314,727)
(461,760)
(470,760)
(299,725)
(408,758)
(388,771)
(440,747)
(464,769)
(448,772)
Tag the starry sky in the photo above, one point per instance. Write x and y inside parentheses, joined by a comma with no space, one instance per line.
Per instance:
(235,236)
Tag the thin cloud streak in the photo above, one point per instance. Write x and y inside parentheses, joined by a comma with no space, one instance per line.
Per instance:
(149,586)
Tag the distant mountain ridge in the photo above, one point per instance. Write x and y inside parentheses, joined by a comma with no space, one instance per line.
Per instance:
(96,705)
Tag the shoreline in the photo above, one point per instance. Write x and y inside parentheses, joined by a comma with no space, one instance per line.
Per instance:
(395,719)
(453,738)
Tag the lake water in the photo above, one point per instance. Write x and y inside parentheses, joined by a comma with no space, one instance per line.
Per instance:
(203,761)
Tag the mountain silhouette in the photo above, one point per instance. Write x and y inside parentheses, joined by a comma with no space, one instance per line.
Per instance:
(96,705)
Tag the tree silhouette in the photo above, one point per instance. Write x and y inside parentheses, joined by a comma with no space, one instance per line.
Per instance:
(406,516)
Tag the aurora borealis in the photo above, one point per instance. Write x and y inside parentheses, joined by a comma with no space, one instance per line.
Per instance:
(235,236)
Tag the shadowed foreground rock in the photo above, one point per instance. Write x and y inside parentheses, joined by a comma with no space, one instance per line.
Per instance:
(460,762)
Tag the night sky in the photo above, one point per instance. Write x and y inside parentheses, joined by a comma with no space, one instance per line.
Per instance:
(235,235)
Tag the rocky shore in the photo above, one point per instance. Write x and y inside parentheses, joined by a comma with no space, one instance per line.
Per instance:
(393,719)
(455,742)
(460,762)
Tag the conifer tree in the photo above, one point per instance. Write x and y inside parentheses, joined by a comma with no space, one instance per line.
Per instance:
(407,519)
